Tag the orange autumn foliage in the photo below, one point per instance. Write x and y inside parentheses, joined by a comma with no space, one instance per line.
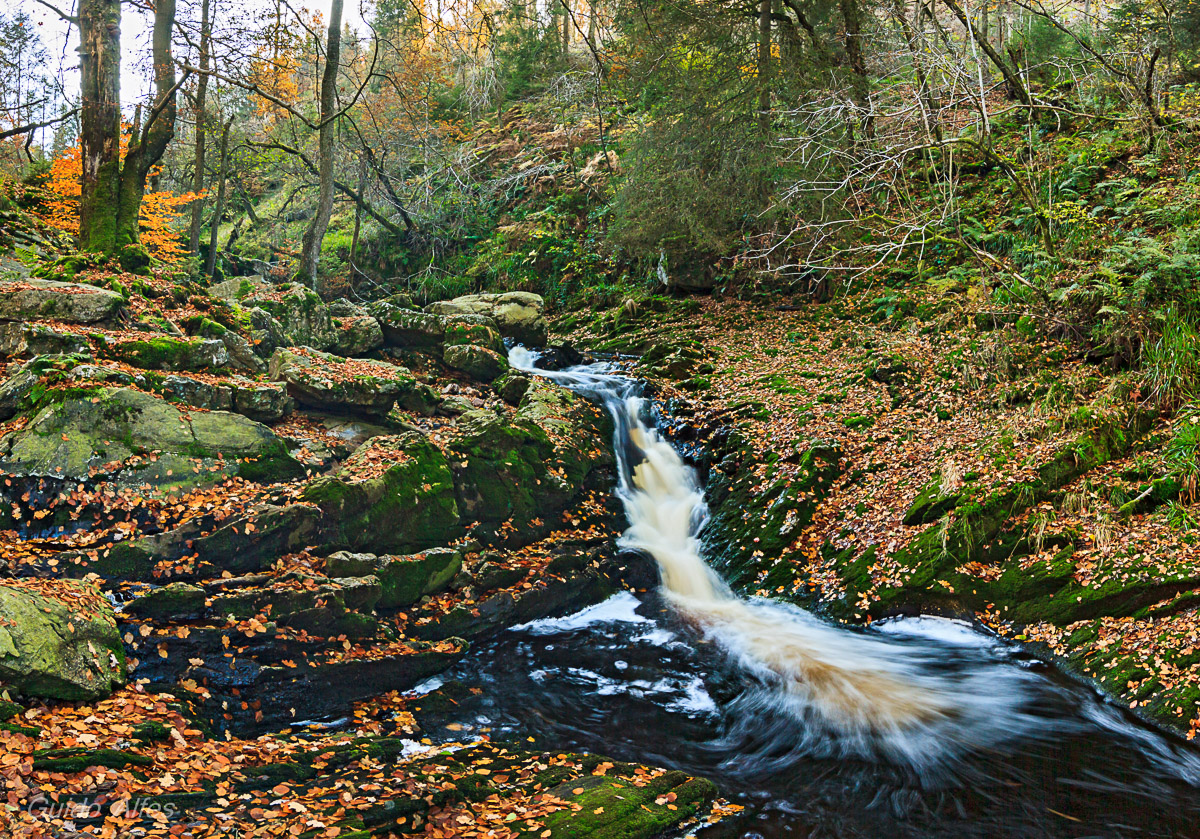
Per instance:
(60,207)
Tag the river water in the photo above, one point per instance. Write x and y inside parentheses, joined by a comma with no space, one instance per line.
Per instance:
(915,727)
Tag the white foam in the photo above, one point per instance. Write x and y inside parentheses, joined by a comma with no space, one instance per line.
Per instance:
(620,608)
(946,630)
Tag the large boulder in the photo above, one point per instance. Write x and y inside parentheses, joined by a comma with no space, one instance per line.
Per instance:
(304,316)
(404,327)
(136,438)
(58,639)
(168,353)
(480,363)
(517,313)
(395,493)
(29,299)
(329,383)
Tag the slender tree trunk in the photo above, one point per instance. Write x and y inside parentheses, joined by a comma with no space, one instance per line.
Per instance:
(201,128)
(852,20)
(358,212)
(1011,77)
(764,66)
(100,122)
(310,253)
(566,27)
(210,267)
(913,38)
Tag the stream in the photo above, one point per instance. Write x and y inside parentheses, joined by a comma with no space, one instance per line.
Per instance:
(914,727)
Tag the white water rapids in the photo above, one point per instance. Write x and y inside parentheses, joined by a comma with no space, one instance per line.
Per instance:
(894,695)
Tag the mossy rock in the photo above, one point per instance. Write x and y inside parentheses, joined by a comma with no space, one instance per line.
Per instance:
(465,331)
(620,808)
(931,503)
(165,353)
(480,363)
(403,580)
(410,505)
(69,761)
(329,383)
(59,647)
(30,299)
(135,438)
(172,602)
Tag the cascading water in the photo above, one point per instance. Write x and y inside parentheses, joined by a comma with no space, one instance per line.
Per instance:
(858,694)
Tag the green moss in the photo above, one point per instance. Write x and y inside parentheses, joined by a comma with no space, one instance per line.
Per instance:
(150,732)
(79,759)
(160,353)
(616,808)
(274,465)
(410,506)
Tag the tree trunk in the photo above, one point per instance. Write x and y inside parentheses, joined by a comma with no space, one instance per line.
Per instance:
(100,122)
(1011,77)
(852,21)
(764,66)
(111,192)
(311,249)
(201,128)
(566,27)
(210,267)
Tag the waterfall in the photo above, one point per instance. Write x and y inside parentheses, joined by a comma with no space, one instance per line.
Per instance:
(861,693)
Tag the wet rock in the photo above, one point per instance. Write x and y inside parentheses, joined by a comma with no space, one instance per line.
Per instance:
(479,363)
(394,493)
(403,579)
(136,438)
(327,382)
(560,357)
(21,340)
(200,548)
(518,314)
(333,607)
(62,647)
(30,299)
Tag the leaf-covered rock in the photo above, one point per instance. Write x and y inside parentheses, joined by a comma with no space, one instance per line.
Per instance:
(327,382)
(60,643)
(30,299)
